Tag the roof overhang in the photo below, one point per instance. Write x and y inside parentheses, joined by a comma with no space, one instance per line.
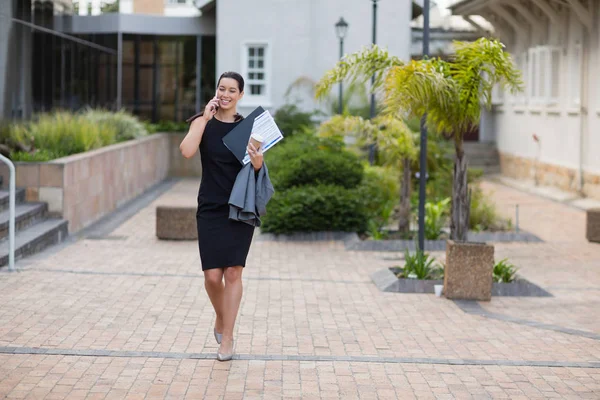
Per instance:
(518,15)
(208,7)
(137,24)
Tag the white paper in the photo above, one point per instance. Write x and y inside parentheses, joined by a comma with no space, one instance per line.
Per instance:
(265,126)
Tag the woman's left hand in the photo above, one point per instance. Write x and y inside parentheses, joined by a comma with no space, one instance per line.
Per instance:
(256,156)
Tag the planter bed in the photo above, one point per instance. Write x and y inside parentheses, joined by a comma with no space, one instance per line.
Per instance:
(440,245)
(386,281)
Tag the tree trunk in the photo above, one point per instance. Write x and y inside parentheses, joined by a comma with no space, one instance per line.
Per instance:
(404,224)
(461,197)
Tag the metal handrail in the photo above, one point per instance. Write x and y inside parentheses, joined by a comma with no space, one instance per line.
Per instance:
(11,220)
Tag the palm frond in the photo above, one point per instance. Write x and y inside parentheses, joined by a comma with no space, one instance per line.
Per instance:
(360,67)
(421,87)
(345,125)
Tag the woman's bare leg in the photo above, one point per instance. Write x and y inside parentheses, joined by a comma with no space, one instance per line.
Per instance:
(231,303)
(213,282)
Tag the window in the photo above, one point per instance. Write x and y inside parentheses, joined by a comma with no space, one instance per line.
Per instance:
(555,57)
(543,79)
(575,60)
(256,61)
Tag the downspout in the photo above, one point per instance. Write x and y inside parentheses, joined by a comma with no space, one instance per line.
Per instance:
(583,105)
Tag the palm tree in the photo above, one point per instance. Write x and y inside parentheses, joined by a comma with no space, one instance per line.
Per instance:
(450,94)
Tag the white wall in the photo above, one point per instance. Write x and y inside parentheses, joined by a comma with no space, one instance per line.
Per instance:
(181,10)
(592,140)
(558,125)
(302,36)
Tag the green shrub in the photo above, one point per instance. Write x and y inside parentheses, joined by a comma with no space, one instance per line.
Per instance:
(37,156)
(64,133)
(167,127)
(313,209)
(320,186)
(292,121)
(299,146)
(420,265)
(313,161)
(484,216)
(504,272)
(436,217)
(59,134)
(379,192)
(127,126)
(320,168)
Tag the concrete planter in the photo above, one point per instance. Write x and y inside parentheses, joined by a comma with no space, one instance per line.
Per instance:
(176,223)
(386,281)
(469,270)
(519,288)
(593,225)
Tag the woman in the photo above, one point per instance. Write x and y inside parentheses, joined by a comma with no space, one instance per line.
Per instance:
(223,243)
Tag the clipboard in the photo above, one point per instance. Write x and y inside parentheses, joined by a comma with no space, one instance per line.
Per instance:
(237,140)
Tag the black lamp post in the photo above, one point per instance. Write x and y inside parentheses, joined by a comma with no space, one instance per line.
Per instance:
(423,158)
(341,28)
(372,147)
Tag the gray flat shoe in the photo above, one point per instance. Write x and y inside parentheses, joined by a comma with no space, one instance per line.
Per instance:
(226,357)
(218,336)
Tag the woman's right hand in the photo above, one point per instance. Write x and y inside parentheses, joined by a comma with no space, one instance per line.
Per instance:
(211,109)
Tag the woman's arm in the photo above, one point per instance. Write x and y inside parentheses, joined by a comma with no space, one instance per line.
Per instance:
(190,143)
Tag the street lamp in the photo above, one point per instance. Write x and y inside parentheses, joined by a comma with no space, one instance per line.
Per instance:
(372,147)
(341,28)
(423,158)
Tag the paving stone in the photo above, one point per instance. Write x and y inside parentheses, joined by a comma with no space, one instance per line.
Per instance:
(130,319)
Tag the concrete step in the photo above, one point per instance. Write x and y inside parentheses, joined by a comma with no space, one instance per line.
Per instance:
(490,169)
(4,198)
(483,162)
(484,156)
(35,239)
(480,148)
(26,214)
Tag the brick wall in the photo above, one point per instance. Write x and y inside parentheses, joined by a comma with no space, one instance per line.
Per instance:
(149,7)
(549,175)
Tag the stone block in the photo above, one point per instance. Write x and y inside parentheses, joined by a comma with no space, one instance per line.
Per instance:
(593,225)
(468,271)
(51,175)
(54,198)
(32,194)
(176,223)
(27,175)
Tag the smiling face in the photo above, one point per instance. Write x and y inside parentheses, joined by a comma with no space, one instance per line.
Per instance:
(228,93)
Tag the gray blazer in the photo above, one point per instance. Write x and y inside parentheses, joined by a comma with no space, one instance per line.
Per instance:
(250,194)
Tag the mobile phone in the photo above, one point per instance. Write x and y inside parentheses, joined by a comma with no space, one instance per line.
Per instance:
(216,108)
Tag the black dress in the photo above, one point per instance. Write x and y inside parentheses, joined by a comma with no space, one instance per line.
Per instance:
(222,242)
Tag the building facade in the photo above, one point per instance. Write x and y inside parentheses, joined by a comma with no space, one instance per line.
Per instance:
(550,133)
(160,58)
(274,43)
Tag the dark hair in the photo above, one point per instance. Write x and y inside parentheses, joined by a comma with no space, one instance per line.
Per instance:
(233,75)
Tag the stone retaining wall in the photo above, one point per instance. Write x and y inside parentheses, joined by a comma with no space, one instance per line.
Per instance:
(83,188)
(549,174)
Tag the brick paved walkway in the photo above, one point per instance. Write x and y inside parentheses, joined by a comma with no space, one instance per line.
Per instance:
(126,316)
